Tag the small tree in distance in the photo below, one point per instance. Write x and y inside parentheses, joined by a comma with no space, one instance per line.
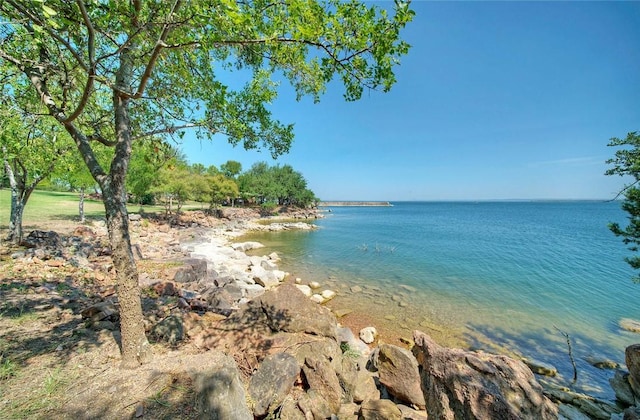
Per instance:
(627,163)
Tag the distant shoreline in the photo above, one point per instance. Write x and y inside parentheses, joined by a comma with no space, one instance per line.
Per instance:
(355,204)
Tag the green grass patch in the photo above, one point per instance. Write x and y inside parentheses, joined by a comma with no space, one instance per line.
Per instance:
(55,205)
(8,368)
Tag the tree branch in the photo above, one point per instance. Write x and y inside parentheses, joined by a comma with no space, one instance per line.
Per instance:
(160,44)
(91,49)
(25,12)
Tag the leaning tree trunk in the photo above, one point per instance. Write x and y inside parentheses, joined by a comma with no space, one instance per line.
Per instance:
(17,204)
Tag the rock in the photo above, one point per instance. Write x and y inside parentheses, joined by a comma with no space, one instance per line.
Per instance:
(601,363)
(328,295)
(368,334)
(325,348)
(380,410)
(304,289)
(314,285)
(541,368)
(398,370)
(323,379)
(246,246)
(348,411)
(274,257)
(476,385)
(409,413)
(316,298)
(632,413)
(298,280)
(570,412)
(345,336)
(315,406)
(100,311)
(365,387)
(592,407)
(219,391)
(288,309)
(356,289)
(622,388)
(42,239)
(165,288)
(271,383)
(290,411)
(169,329)
(193,269)
(134,217)
(630,325)
(342,312)
(632,359)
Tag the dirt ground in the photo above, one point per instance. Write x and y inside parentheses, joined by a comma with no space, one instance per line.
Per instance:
(53,366)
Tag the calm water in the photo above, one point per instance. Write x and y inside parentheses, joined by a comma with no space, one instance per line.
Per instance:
(502,276)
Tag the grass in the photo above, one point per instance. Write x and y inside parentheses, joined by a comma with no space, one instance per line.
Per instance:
(55,205)
(8,368)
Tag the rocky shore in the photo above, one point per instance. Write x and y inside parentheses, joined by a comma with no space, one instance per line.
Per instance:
(242,339)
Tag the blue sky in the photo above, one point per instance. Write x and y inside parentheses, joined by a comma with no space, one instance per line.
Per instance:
(495,100)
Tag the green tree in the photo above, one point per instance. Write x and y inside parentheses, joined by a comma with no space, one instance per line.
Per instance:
(148,156)
(30,149)
(627,163)
(221,189)
(231,169)
(112,72)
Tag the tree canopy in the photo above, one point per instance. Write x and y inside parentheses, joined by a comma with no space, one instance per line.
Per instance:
(114,72)
(627,163)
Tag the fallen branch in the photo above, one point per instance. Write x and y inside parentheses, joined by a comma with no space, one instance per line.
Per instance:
(573,361)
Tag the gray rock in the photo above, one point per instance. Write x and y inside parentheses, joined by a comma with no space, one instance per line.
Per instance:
(570,412)
(194,269)
(632,359)
(380,410)
(290,411)
(315,406)
(323,379)
(398,370)
(288,309)
(476,385)
(368,334)
(170,329)
(219,392)
(271,383)
(622,388)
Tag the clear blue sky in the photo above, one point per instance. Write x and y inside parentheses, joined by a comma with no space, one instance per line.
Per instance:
(496,100)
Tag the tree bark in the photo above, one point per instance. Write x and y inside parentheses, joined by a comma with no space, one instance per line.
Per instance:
(81,205)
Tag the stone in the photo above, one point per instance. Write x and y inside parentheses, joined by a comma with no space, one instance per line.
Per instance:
(380,410)
(170,329)
(298,280)
(541,368)
(100,311)
(356,289)
(632,413)
(314,285)
(274,257)
(368,334)
(632,359)
(348,411)
(328,294)
(630,325)
(246,246)
(365,387)
(601,363)
(477,385)
(290,411)
(288,309)
(42,239)
(315,406)
(325,348)
(620,385)
(316,298)
(409,413)
(346,337)
(398,370)
(271,383)
(322,378)
(593,408)
(304,289)
(134,217)
(219,391)
(341,312)
(570,412)
(193,269)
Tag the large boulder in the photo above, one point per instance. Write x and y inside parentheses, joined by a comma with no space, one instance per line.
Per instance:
(288,309)
(632,358)
(398,370)
(476,385)
(219,391)
(380,410)
(271,383)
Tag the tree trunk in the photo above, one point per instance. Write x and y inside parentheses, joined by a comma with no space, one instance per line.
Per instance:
(135,347)
(81,205)
(17,204)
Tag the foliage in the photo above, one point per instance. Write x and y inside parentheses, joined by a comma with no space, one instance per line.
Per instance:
(279,184)
(113,72)
(627,163)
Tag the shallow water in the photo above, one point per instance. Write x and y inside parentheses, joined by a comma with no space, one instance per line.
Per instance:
(501,276)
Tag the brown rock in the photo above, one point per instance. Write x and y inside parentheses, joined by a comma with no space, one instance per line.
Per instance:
(476,385)
(380,410)
(398,370)
(632,358)
(288,309)
(323,379)
(165,288)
